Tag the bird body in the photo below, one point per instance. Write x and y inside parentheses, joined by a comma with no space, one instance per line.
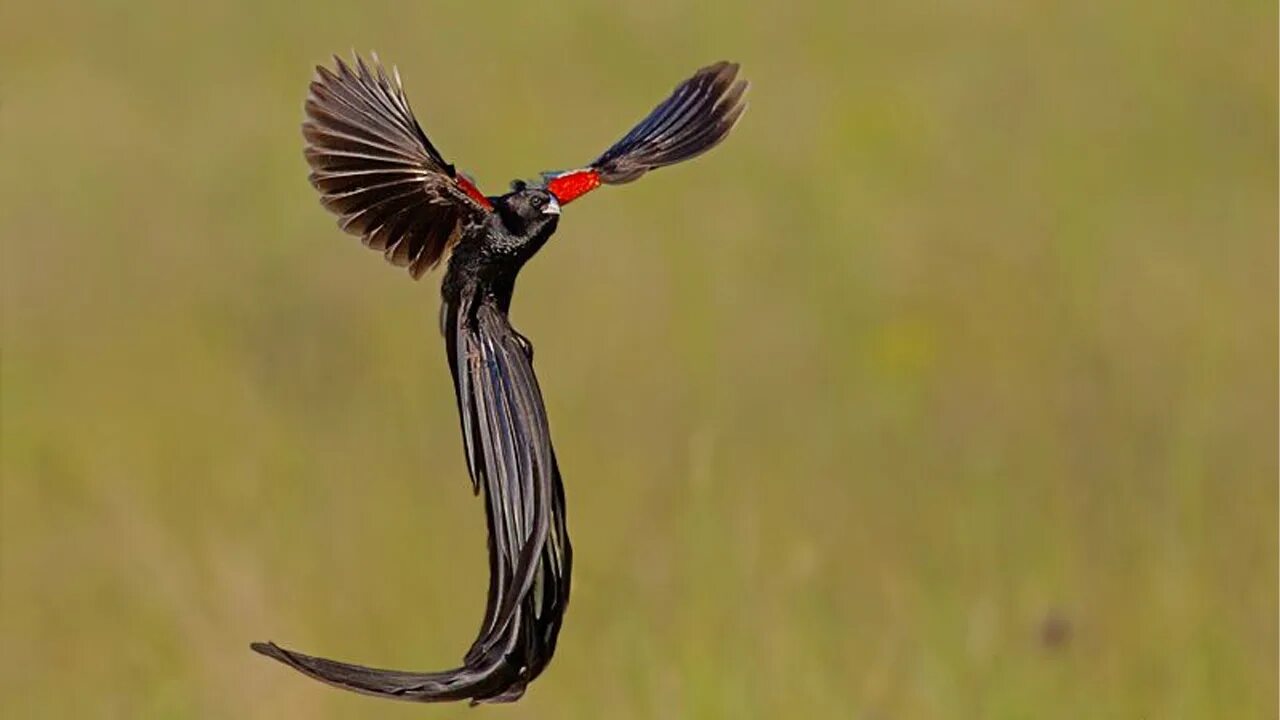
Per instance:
(377,170)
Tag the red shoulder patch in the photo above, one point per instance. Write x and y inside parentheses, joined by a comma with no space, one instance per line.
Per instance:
(571,185)
(471,189)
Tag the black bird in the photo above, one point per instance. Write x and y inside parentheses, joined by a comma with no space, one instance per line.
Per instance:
(377,170)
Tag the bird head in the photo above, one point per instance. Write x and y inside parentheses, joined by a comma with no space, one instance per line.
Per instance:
(527,211)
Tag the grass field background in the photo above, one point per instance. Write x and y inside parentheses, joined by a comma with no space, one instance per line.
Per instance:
(945,388)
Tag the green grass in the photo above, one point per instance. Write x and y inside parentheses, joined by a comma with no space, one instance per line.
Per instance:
(967,331)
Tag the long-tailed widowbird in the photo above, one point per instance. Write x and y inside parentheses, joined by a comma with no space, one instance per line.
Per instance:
(377,170)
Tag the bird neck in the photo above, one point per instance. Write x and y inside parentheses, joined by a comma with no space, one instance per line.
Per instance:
(484,268)
(504,250)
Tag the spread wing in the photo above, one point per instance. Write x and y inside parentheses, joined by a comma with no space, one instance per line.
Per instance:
(509,455)
(377,170)
(698,115)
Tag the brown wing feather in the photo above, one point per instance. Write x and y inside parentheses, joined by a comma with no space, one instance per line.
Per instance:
(696,117)
(377,170)
(699,114)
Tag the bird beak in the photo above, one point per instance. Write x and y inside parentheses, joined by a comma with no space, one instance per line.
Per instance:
(552,208)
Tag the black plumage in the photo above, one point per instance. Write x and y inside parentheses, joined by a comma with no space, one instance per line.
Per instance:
(377,170)
(697,116)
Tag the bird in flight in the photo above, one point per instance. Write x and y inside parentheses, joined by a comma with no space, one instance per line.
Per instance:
(378,172)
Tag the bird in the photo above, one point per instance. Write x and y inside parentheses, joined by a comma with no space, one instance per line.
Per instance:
(376,169)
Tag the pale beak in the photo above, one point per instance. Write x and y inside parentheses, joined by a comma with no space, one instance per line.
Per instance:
(552,208)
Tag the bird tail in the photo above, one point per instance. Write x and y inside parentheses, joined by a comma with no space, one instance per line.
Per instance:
(514,646)
(457,684)
(489,682)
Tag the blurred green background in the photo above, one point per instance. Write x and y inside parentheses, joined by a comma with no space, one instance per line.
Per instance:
(945,388)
